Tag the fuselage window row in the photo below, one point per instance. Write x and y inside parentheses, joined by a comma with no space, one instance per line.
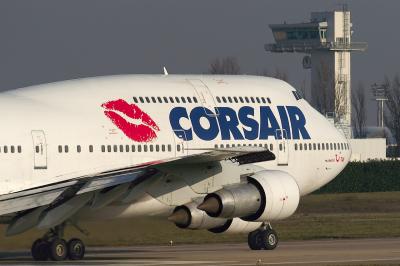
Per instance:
(164,99)
(11,149)
(240,99)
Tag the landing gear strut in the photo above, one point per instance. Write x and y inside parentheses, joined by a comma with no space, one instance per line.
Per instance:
(53,246)
(263,238)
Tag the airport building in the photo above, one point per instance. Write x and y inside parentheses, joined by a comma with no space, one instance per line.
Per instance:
(326,42)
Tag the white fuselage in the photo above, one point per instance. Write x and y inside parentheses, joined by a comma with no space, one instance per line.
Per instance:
(55,132)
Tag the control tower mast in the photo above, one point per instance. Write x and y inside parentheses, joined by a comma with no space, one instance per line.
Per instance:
(326,41)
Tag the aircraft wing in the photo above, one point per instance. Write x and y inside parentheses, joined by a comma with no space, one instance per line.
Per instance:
(57,194)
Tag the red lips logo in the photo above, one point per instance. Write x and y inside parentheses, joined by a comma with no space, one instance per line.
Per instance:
(143,131)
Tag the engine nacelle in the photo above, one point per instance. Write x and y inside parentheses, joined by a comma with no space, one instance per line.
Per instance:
(189,217)
(236,226)
(268,195)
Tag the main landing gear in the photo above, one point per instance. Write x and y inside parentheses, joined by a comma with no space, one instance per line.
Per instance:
(53,246)
(263,238)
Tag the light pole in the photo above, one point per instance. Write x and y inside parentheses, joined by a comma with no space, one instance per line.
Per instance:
(380,96)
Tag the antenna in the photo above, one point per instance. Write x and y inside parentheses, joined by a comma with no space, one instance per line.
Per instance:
(165,71)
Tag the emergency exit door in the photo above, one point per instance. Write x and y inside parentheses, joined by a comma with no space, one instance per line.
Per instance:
(39,149)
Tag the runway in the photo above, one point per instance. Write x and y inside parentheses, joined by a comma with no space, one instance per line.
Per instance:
(321,252)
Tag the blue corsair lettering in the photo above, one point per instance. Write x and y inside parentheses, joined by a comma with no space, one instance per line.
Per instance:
(298,122)
(268,123)
(239,125)
(250,125)
(175,117)
(228,123)
(204,133)
(284,120)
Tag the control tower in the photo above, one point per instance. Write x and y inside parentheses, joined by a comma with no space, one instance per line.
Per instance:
(326,42)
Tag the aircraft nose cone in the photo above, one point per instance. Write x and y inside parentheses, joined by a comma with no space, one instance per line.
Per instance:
(210,205)
(180,217)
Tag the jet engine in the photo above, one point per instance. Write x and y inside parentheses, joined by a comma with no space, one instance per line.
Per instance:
(189,217)
(266,196)
(236,226)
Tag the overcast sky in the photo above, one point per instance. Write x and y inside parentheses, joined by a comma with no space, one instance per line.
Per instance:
(44,41)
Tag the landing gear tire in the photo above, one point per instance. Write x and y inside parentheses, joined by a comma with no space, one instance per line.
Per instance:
(58,249)
(268,239)
(253,240)
(40,250)
(76,249)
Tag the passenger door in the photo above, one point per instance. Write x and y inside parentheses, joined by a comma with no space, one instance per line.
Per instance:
(282,147)
(205,96)
(39,149)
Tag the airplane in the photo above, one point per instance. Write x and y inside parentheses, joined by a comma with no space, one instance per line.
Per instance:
(227,154)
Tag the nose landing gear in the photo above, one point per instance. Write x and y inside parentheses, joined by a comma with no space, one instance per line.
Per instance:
(263,238)
(53,246)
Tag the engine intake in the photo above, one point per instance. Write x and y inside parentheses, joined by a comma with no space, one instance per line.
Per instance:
(268,195)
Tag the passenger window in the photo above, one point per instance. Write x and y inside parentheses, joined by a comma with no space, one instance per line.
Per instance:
(169,147)
(331,146)
(221,145)
(165,99)
(258,100)
(90,148)
(247,99)
(314,146)
(235,99)
(301,146)
(121,148)
(139,148)
(177,99)
(145,148)
(241,99)
(271,147)
(66,149)
(157,147)
(12,148)
(319,146)
(171,99)
(309,146)
(147,99)
(183,99)
(159,99)
(163,147)
(269,100)
(126,148)
(178,147)
(224,99)
(141,99)
(230,99)
(78,148)
(195,99)
(252,99)
(103,148)
(19,148)
(334,146)
(151,147)
(218,99)
(323,146)
(295,146)
(135,99)
(115,148)
(189,100)
(263,100)
(59,149)
(109,148)
(305,146)
(133,148)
